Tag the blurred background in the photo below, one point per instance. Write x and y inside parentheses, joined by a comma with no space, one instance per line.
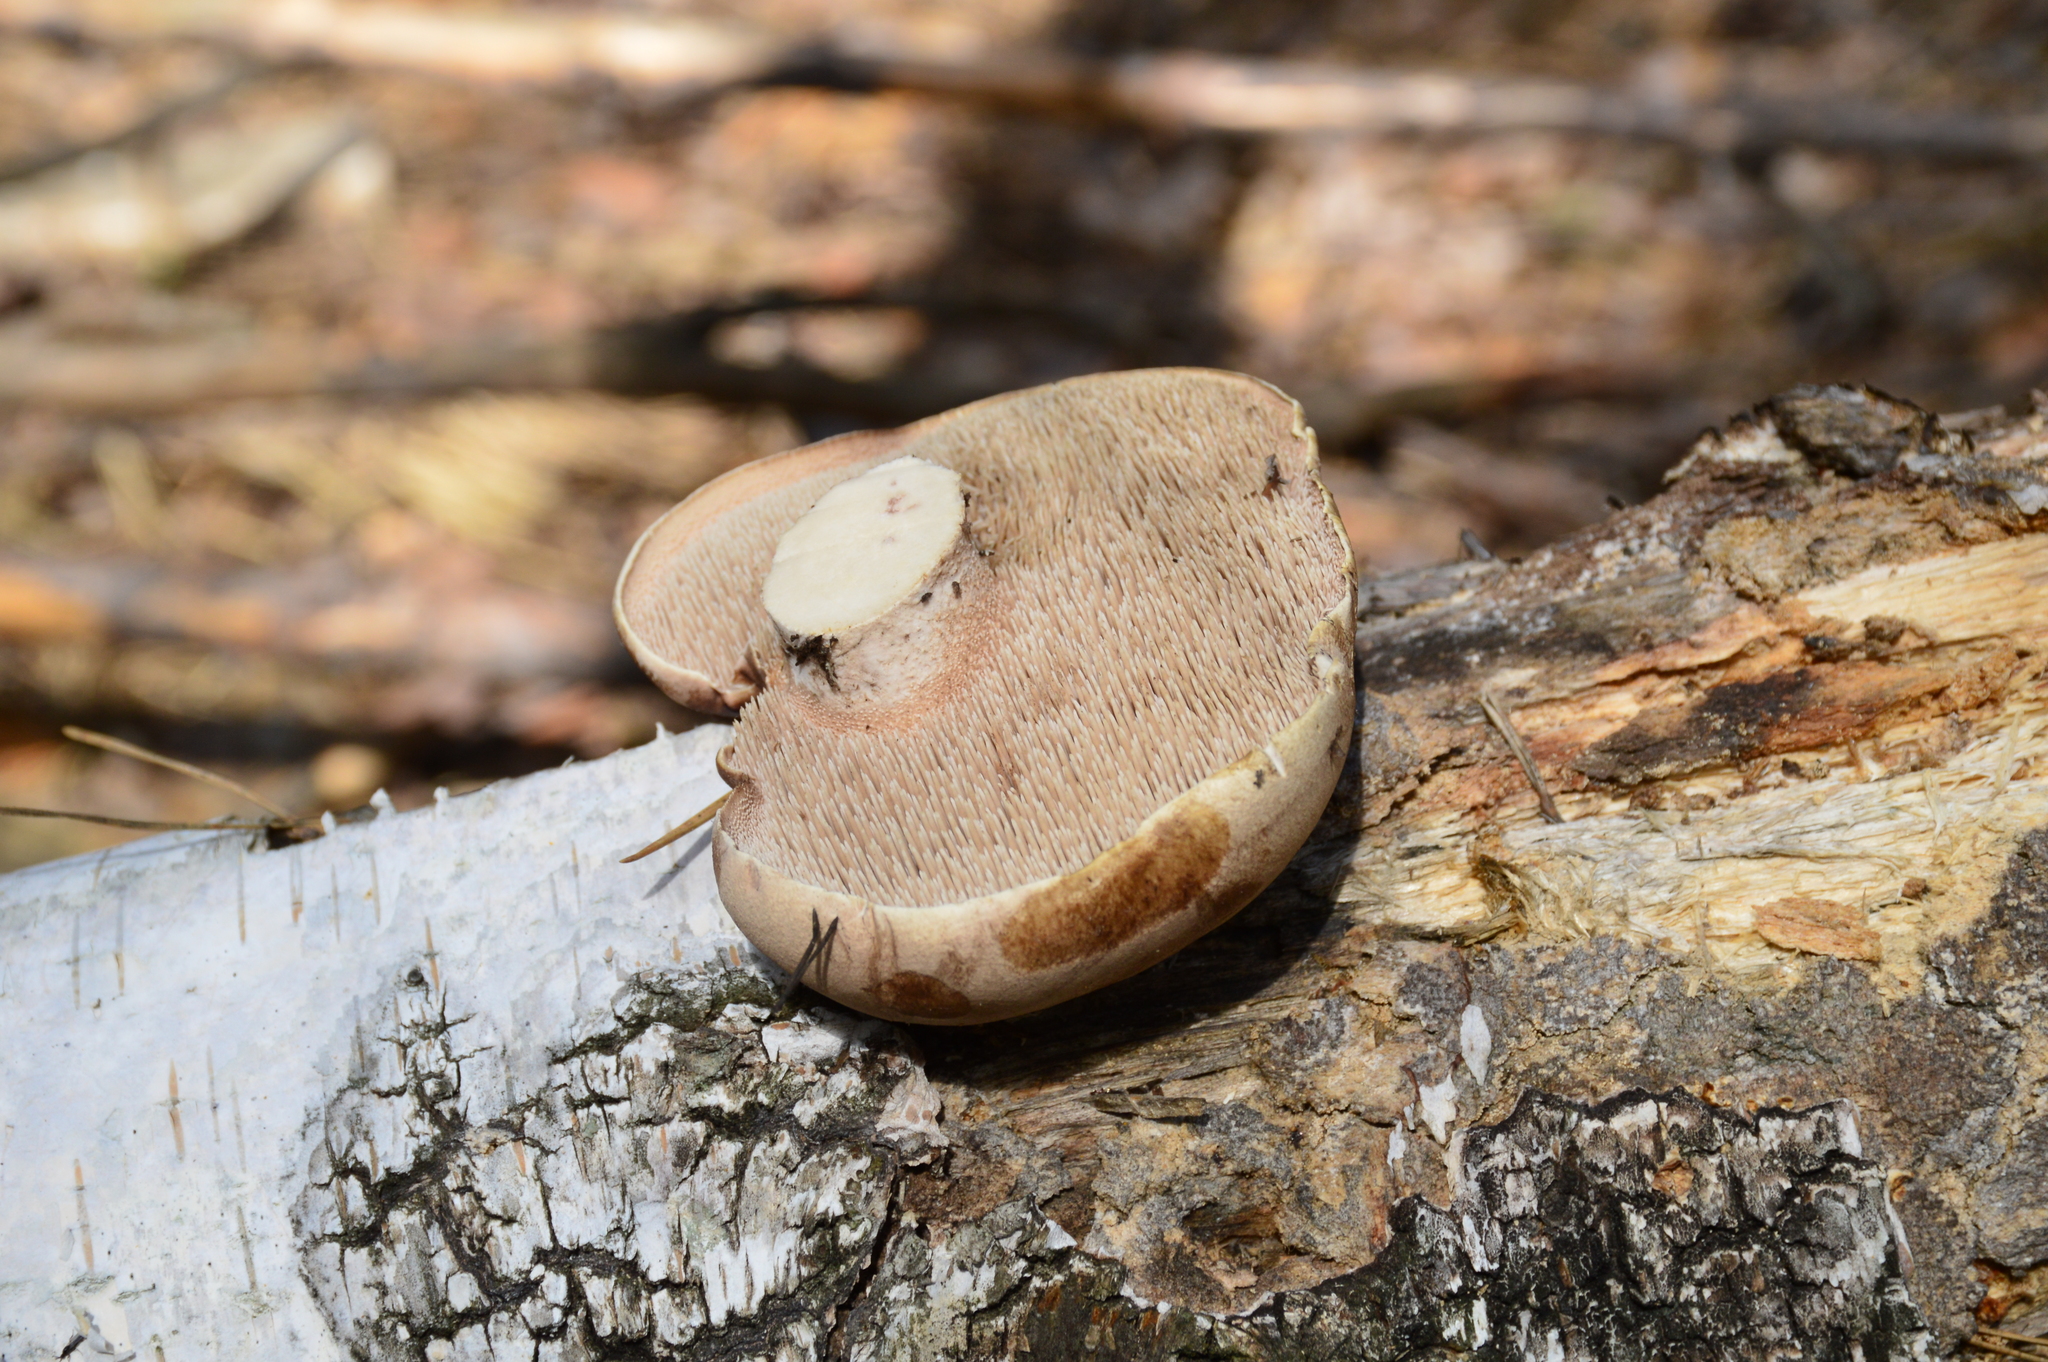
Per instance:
(345,348)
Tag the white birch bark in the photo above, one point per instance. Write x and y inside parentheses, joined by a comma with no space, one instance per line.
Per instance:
(180,1012)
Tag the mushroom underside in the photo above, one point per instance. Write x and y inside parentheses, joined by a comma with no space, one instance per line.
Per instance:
(1154,590)
(1185,870)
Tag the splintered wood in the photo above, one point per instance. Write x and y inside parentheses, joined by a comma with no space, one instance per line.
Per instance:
(1863,743)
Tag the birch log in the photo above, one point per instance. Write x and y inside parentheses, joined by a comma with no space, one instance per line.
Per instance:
(1743,1054)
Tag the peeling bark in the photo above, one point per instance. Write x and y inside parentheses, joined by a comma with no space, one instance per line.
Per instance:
(1746,1053)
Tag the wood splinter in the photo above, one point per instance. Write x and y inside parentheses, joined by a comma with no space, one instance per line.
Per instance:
(682,829)
(1497,715)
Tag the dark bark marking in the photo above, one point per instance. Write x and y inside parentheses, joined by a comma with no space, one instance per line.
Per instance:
(1789,711)
(1857,430)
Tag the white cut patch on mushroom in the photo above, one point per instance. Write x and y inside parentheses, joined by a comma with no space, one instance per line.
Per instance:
(871,588)
(1031,694)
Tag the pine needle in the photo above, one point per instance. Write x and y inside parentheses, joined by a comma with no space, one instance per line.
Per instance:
(1497,715)
(2041,1343)
(145,824)
(129,749)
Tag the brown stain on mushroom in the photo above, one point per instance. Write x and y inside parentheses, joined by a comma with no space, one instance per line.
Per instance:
(1166,870)
(911,994)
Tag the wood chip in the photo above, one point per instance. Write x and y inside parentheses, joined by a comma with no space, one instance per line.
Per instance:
(1818,927)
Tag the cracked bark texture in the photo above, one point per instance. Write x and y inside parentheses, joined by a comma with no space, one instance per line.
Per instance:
(682,1179)
(1744,1056)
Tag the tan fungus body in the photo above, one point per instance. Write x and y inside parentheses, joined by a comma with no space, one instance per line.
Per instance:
(1060,791)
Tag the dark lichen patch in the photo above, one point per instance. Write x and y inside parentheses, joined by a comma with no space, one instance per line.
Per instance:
(2012,1225)
(1563,1230)
(1939,1075)
(2001,959)
(1155,875)
(1998,963)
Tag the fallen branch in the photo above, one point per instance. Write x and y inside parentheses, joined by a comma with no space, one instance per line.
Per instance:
(199,96)
(669,56)
(656,357)
(642,359)
(148,204)
(310,646)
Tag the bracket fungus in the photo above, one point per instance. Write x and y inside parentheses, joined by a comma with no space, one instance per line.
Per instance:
(1030,694)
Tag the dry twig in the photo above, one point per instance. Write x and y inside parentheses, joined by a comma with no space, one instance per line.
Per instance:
(684,828)
(1497,715)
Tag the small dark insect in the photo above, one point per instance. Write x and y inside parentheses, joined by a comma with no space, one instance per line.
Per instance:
(813,650)
(1274,482)
(956,591)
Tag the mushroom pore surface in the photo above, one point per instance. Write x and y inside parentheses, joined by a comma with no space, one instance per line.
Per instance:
(1152,556)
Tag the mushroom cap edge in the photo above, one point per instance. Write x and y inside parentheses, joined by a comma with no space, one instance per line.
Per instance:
(688,686)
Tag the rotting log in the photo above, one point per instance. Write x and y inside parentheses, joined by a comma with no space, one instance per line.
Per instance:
(1742,1050)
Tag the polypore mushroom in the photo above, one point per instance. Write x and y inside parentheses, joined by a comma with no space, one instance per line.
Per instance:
(1030,694)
